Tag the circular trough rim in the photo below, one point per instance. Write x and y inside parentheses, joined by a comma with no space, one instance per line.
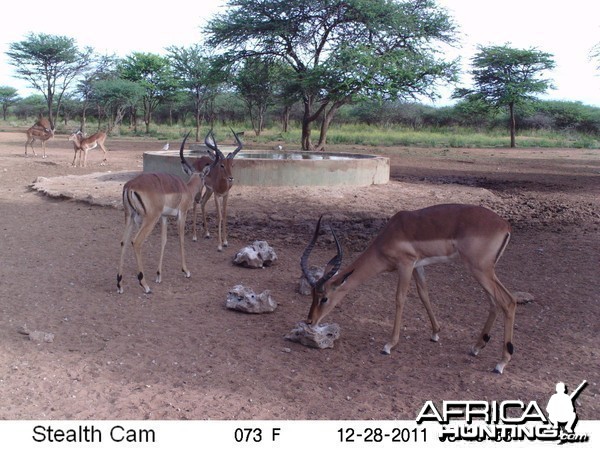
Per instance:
(353,169)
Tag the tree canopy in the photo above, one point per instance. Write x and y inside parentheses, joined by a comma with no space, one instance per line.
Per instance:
(341,50)
(50,64)
(8,96)
(505,77)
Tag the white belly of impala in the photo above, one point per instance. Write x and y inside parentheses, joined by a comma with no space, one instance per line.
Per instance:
(170,211)
(435,259)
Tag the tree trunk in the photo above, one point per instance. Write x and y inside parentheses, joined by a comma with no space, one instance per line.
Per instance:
(327,118)
(513,125)
(285,118)
(306,121)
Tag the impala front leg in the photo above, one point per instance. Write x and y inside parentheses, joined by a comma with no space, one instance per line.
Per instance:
(181,229)
(205,199)
(224,220)
(220,222)
(163,243)
(404,276)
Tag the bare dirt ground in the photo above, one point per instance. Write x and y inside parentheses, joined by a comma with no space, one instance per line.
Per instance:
(178,353)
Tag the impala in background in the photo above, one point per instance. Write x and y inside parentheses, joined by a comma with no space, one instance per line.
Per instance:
(82,145)
(38,133)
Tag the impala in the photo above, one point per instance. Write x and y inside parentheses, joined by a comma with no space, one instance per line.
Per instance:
(412,240)
(152,196)
(218,182)
(40,133)
(83,144)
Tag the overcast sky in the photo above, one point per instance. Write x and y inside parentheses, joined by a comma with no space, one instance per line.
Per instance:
(567,30)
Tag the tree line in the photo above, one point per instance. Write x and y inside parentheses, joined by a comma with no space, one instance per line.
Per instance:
(305,60)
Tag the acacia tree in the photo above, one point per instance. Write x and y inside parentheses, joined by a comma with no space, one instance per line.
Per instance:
(8,96)
(104,69)
(193,68)
(506,77)
(50,64)
(154,74)
(117,96)
(339,50)
(257,83)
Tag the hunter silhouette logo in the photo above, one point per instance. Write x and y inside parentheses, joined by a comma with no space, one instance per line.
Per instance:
(508,420)
(561,407)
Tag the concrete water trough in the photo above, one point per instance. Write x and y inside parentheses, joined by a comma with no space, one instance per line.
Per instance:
(284,168)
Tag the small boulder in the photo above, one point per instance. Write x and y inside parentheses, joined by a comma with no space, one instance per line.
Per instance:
(255,256)
(321,336)
(244,299)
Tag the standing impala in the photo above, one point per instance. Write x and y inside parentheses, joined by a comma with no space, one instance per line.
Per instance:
(83,144)
(218,182)
(40,133)
(412,240)
(150,197)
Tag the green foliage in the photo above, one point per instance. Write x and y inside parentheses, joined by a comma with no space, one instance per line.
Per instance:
(503,75)
(50,64)
(8,97)
(507,77)
(340,50)
(154,74)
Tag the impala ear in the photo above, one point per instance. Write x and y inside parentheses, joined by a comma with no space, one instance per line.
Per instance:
(343,280)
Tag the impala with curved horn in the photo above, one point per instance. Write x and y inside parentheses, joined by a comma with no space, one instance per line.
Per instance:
(218,182)
(152,196)
(412,240)
(82,145)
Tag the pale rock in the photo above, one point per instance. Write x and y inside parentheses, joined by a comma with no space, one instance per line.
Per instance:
(244,299)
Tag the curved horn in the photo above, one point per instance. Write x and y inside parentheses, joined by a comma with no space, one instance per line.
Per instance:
(183,160)
(239,147)
(304,259)
(212,144)
(335,262)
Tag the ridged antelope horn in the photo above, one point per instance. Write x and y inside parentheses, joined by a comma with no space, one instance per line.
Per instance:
(239,147)
(335,262)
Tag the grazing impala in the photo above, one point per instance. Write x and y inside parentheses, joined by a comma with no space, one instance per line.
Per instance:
(218,182)
(83,144)
(412,240)
(150,197)
(40,133)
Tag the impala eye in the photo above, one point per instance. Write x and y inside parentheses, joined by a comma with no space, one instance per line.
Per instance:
(324,300)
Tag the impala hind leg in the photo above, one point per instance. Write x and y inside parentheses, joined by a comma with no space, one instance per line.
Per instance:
(124,241)
(104,161)
(419,274)
(501,300)
(181,231)
(145,229)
